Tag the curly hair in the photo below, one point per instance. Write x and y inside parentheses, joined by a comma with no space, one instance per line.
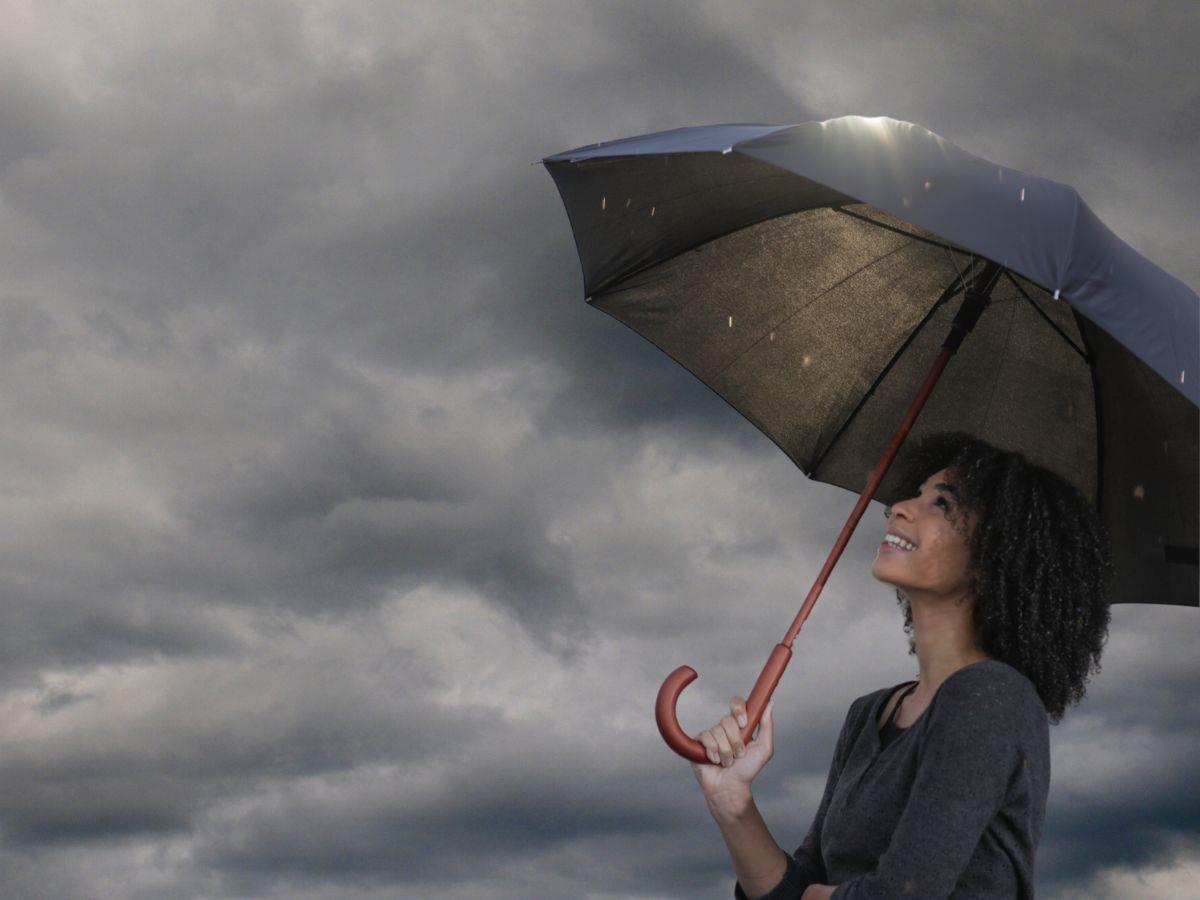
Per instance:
(1040,563)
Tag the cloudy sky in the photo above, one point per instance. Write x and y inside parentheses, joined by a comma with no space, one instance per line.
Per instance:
(345,547)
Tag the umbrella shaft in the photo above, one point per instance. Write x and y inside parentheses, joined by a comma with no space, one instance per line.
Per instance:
(968,314)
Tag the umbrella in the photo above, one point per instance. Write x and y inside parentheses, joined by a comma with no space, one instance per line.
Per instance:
(819,277)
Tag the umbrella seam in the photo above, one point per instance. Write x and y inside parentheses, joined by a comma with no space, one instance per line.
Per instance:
(999,365)
(916,237)
(1049,321)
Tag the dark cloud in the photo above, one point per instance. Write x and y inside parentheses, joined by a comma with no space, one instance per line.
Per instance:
(345,545)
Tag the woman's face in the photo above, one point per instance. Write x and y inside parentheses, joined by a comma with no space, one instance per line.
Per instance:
(934,521)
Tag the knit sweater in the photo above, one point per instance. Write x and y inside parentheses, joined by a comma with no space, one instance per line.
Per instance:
(953,808)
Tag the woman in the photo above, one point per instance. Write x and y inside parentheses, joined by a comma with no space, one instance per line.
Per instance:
(938,786)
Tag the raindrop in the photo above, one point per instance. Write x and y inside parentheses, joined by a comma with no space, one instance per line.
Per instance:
(1022,195)
(904,200)
(603,202)
(1181,371)
(628,200)
(1139,492)
(652,210)
(928,185)
(807,360)
(772,335)
(726,150)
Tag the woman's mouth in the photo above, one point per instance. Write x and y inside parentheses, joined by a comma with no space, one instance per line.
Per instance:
(891,546)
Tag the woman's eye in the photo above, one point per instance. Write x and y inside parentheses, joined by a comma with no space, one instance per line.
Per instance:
(941,500)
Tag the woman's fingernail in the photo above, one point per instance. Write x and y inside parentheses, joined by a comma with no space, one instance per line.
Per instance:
(742,720)
(739,752)
(716,759)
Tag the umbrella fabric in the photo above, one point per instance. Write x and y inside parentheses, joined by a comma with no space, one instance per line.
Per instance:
(808,274)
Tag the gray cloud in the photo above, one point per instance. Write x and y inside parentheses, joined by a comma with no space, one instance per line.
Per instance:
(345,546)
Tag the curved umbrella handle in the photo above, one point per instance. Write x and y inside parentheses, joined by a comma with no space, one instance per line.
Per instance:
(668,697)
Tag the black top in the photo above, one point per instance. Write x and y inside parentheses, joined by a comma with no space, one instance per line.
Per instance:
(953,807)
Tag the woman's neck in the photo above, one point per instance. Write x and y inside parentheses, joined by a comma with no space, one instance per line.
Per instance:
(945,641)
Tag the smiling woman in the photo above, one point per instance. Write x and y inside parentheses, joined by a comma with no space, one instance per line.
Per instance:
(938,786)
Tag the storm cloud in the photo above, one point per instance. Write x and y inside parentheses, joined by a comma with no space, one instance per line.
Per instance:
(344,546)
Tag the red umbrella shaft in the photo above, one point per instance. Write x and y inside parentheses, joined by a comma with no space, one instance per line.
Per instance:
(868,494)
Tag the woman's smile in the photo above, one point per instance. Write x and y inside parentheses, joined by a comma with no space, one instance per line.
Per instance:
(894,542)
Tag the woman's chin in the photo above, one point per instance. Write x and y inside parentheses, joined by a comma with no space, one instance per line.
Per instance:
(877,572)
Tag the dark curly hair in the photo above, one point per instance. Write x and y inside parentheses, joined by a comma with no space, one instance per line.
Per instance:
(1040,559)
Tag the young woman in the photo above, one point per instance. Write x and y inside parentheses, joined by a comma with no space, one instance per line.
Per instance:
(938,786)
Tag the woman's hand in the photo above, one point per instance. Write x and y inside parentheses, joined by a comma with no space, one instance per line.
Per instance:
(726,781)
(818,892)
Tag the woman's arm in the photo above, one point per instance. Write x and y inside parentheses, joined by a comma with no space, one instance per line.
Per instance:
(758,861)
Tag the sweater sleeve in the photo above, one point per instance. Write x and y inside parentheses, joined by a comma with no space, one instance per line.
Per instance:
(969,757)
(806,866)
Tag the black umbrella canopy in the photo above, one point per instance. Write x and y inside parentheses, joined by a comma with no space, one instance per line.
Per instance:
(809,275)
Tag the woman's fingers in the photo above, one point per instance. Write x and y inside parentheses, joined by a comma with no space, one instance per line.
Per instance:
(723,742)
(723,746)
(736,744)
(737,707)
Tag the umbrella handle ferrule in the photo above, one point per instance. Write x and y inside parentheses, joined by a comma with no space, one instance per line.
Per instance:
(668,697)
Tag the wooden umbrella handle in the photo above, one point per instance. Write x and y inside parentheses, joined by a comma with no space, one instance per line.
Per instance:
(668,698)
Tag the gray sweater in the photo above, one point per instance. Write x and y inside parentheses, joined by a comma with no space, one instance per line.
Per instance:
(954,807)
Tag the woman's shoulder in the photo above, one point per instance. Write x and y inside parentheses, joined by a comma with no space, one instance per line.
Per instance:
(991,694)
(992,677)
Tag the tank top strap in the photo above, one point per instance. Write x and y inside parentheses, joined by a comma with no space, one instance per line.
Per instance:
(896,708)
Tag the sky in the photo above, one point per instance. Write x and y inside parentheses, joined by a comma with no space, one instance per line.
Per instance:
(344,547)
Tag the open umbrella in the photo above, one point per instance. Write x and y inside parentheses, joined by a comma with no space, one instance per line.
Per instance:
(819,277)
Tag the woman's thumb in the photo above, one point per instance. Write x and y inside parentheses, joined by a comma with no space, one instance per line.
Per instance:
(767,722)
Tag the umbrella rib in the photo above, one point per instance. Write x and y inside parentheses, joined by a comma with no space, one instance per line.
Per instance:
(796,312)
(1049,321)
(908,234)
(951,290)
